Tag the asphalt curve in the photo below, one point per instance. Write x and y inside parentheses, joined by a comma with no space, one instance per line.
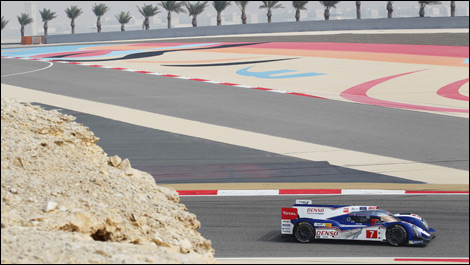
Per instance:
(409,135)
(250,226)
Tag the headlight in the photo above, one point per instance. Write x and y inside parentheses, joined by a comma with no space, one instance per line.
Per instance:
(426,225)
(416,231)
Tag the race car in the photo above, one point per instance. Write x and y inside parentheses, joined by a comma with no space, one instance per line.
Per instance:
(308,222)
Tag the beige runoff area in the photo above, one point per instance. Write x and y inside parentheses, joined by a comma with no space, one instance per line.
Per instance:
(340,74)
(411,170)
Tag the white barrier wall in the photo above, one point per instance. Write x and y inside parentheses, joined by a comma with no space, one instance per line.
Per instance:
(350,24)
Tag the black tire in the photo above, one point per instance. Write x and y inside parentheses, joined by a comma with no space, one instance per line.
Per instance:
(397,235)
(304,232)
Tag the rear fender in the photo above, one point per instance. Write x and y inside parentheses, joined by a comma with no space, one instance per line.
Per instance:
(288,215)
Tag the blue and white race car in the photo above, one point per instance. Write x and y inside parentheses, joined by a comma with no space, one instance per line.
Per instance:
(307,222)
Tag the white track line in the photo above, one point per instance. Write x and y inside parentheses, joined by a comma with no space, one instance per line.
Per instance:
(50,64)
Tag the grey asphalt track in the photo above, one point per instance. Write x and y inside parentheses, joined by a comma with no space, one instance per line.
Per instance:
(174,158)
(415,136)
(250,226)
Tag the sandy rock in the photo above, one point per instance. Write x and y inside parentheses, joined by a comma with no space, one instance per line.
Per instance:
(58,183)
(126,167)
(115,161)
(66,248)
(50,206)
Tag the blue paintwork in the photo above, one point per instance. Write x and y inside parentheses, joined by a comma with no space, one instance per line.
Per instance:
(340,220)
(30,52)
(274,74)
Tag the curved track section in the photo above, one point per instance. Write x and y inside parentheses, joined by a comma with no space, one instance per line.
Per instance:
(273,137)
(360,128)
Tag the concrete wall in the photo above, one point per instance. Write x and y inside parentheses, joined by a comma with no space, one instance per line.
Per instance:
(350,24)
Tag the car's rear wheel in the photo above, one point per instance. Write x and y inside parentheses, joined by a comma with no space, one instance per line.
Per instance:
(397,235)
(304,232)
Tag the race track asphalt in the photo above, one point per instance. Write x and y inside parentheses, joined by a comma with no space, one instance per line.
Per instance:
(409,135)
(250,226)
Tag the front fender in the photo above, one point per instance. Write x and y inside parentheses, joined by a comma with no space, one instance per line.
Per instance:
(414,219)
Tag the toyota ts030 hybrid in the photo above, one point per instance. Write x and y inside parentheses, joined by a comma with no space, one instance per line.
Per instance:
(307,222)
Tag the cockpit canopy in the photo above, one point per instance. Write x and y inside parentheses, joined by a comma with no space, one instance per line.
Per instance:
(369,215)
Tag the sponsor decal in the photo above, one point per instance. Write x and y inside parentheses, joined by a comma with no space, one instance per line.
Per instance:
(351,234)
(372,207)
(417,216)
(286,225)
(346,210)
(289,213)
(322,224)
(416,242)
(362,208)
(372,234)
(315,210)
(327,233)
(303,202)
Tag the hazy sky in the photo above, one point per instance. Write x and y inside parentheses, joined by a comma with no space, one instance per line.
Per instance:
(10,9)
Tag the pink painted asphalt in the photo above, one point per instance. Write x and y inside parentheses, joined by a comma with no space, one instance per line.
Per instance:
(432,50)
(376,74)
(359,94)
(452,90)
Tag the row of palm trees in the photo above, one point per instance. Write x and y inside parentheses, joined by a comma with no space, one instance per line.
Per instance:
(195,9)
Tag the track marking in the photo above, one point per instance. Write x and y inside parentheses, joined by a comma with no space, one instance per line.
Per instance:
(50,64)
(316,192)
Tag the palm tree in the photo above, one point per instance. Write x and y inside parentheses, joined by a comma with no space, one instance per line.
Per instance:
(123,19)
(358,9)
(172,6)
(148,11)
(242,5)
(390,9)
(452,8)
(328,5)
(269,5)
(73,12)
(299,5)
(220,6)
(46,15)
(4,22)
(195,9)
(24,20)
(99,11)
(423,4)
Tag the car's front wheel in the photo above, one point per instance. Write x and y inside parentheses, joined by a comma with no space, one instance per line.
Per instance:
(397,235)
(304,232)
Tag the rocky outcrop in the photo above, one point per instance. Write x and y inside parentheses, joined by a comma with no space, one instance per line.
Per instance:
(62,195)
